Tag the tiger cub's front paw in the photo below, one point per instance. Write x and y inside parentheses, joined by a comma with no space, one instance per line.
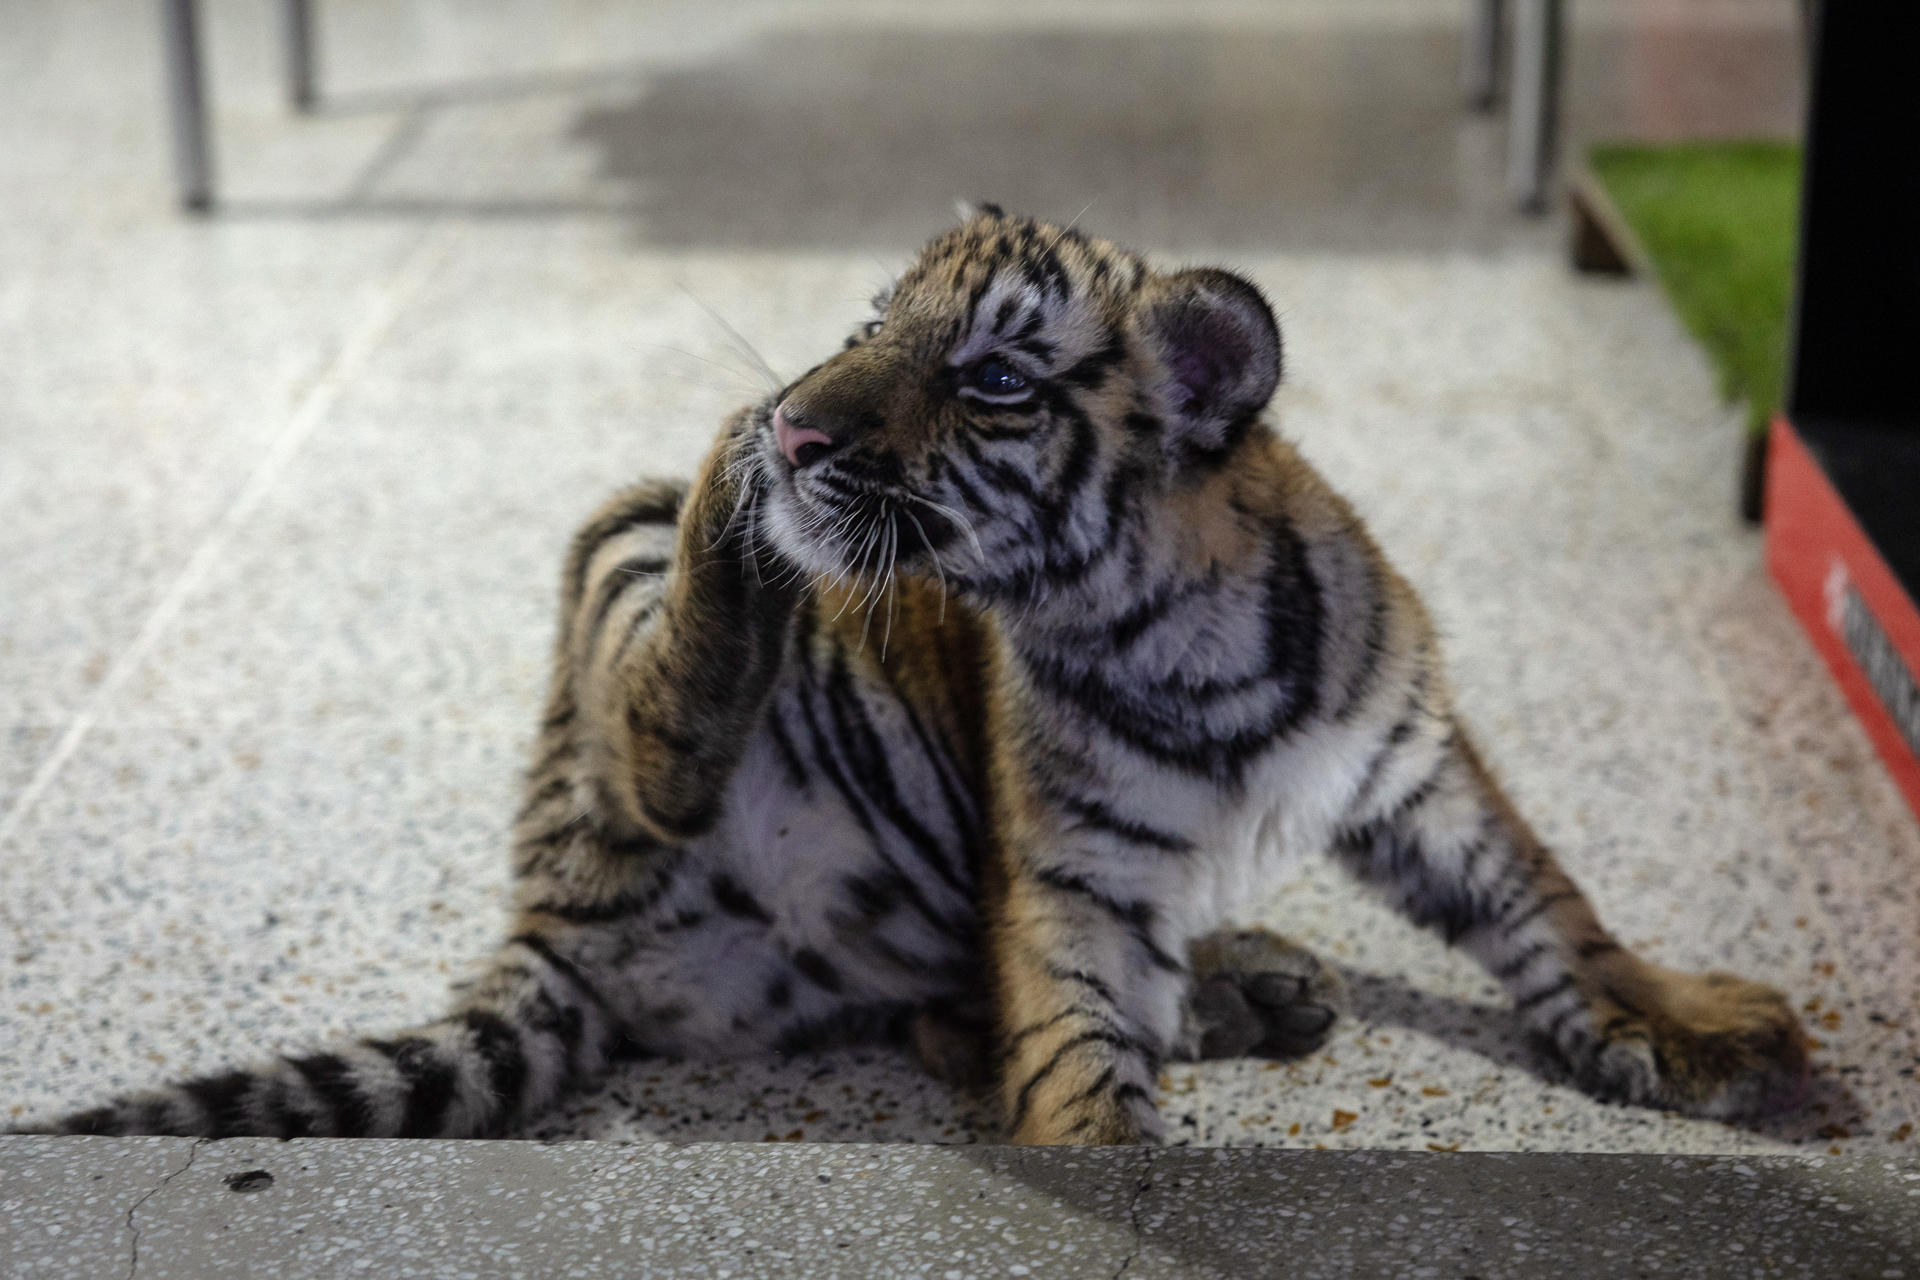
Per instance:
(1254,993)
(1710,1044)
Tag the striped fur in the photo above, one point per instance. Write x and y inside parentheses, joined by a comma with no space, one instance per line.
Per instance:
(992,711)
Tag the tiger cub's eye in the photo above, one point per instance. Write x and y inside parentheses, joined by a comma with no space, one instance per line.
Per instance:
(996,380)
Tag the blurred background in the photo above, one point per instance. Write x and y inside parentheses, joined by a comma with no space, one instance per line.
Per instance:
(286,482)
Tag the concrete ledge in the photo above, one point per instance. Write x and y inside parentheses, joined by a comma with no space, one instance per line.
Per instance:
(157,1207)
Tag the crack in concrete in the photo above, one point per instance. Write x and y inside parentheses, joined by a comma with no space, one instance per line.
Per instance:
(1133,1213)
(133,1231)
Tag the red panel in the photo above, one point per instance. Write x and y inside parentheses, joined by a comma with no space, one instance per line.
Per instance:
(1815,551)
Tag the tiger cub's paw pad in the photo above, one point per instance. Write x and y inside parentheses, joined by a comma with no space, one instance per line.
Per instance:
(1257,994)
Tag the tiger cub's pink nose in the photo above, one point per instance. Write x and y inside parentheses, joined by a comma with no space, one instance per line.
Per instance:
(801,445)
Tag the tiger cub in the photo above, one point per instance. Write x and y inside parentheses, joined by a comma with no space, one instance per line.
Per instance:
(976,679)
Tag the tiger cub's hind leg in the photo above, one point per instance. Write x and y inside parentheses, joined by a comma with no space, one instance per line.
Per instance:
(670,647)
(1450,851)
(1256,994)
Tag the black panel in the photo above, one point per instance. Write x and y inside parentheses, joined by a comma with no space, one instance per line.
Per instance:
(1877,471)
(1857,318)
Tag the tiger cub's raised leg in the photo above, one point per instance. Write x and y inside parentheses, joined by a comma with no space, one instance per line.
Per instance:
(673,627)
(666,683)
(1450,851)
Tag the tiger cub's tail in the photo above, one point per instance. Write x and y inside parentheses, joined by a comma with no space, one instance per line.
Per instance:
(529,1035)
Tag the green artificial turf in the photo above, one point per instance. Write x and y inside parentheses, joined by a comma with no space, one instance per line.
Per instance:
(1719,220)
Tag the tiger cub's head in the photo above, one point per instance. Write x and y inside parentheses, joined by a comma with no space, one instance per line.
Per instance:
(1022,392)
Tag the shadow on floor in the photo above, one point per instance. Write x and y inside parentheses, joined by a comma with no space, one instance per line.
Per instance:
(840,137)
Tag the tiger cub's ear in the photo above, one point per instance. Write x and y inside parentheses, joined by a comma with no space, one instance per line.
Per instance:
(1220,349)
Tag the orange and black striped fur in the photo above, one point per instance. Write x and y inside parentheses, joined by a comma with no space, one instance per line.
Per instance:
(976,680)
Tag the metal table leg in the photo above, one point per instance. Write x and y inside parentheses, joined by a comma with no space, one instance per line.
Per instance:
(1480,53)
(187,103)
(1534,121)
(297,23)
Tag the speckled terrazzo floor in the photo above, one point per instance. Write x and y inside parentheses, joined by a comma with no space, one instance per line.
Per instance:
(168,1207)
(285,493)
